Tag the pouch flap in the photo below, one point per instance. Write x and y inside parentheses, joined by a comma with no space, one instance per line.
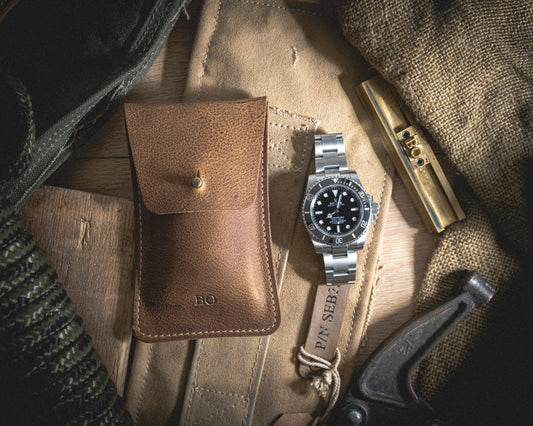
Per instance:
(172,144)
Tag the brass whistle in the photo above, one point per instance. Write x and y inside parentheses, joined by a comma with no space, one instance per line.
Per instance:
(412,156)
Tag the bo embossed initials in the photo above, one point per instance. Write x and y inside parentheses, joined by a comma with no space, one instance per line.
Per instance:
(208,300)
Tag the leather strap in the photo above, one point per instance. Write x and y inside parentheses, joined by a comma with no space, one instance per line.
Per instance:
(326,323)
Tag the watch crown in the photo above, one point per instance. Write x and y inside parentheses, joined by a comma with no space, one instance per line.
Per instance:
(375,207)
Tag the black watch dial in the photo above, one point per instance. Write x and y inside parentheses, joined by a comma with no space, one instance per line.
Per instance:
(336,210)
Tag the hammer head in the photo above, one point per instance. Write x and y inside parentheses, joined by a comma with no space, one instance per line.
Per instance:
(478,288)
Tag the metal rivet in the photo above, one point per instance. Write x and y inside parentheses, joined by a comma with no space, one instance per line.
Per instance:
(197,181)
(355,417)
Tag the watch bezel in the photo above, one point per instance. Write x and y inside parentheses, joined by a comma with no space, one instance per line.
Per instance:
(319,235)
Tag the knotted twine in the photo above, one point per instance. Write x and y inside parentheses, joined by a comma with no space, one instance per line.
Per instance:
(328,384)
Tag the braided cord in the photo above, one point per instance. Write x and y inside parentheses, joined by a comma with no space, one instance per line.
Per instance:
(12,89)
(46,358)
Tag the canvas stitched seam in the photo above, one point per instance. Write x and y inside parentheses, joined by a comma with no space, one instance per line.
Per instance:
(275,6)
(278,262)
(379,273)
(236,395)
(218,412)
(194,387)
(215,332)
(349,341)
(204,62)
(304,128)
(276,146)
(245,413)
(145,377)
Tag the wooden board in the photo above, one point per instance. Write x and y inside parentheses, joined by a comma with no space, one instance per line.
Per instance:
(407,249)
(88,239)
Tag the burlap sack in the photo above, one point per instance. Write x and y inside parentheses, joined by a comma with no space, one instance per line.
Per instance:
(465,69)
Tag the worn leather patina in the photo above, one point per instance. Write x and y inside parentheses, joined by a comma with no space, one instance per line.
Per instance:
(204,264)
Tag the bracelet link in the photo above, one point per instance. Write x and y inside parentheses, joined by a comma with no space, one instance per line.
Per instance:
(330,154)
(340,266)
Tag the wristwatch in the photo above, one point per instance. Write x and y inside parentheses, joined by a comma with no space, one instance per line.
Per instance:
(336,210)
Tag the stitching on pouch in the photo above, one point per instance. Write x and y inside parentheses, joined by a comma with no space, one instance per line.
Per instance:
(245,413)
(349,341)
(140,280)
(145,376)
(307,12)
(204,62)
(200,333)
(194,387)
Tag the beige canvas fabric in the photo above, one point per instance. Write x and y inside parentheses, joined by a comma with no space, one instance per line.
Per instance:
(296,55)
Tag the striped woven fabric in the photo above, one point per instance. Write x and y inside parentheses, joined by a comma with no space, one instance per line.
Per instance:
(51,373)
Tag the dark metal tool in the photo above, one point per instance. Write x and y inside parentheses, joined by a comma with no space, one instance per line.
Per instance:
(382,394)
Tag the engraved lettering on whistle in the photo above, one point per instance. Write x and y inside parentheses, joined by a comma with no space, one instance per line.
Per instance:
(208,300)
(328,315)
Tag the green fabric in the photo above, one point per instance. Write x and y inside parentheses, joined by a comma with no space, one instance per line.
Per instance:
(465,68)
(51,373)
(64,66)
(78,60)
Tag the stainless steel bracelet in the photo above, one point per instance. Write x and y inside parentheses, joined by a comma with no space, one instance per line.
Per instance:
(330,154)
(340,266)
(330,159)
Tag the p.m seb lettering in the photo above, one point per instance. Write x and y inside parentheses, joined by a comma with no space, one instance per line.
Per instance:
(328,315)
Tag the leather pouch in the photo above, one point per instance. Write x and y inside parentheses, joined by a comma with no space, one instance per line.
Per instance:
(204,264)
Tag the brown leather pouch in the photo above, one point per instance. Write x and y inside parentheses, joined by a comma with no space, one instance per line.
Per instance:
(204,264)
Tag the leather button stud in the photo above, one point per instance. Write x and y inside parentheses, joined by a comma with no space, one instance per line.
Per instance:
(197,181)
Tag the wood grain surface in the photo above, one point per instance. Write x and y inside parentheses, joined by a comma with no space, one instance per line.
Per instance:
(88,239)
(102,167)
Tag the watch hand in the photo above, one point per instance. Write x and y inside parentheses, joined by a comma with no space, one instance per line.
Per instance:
(338,203)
